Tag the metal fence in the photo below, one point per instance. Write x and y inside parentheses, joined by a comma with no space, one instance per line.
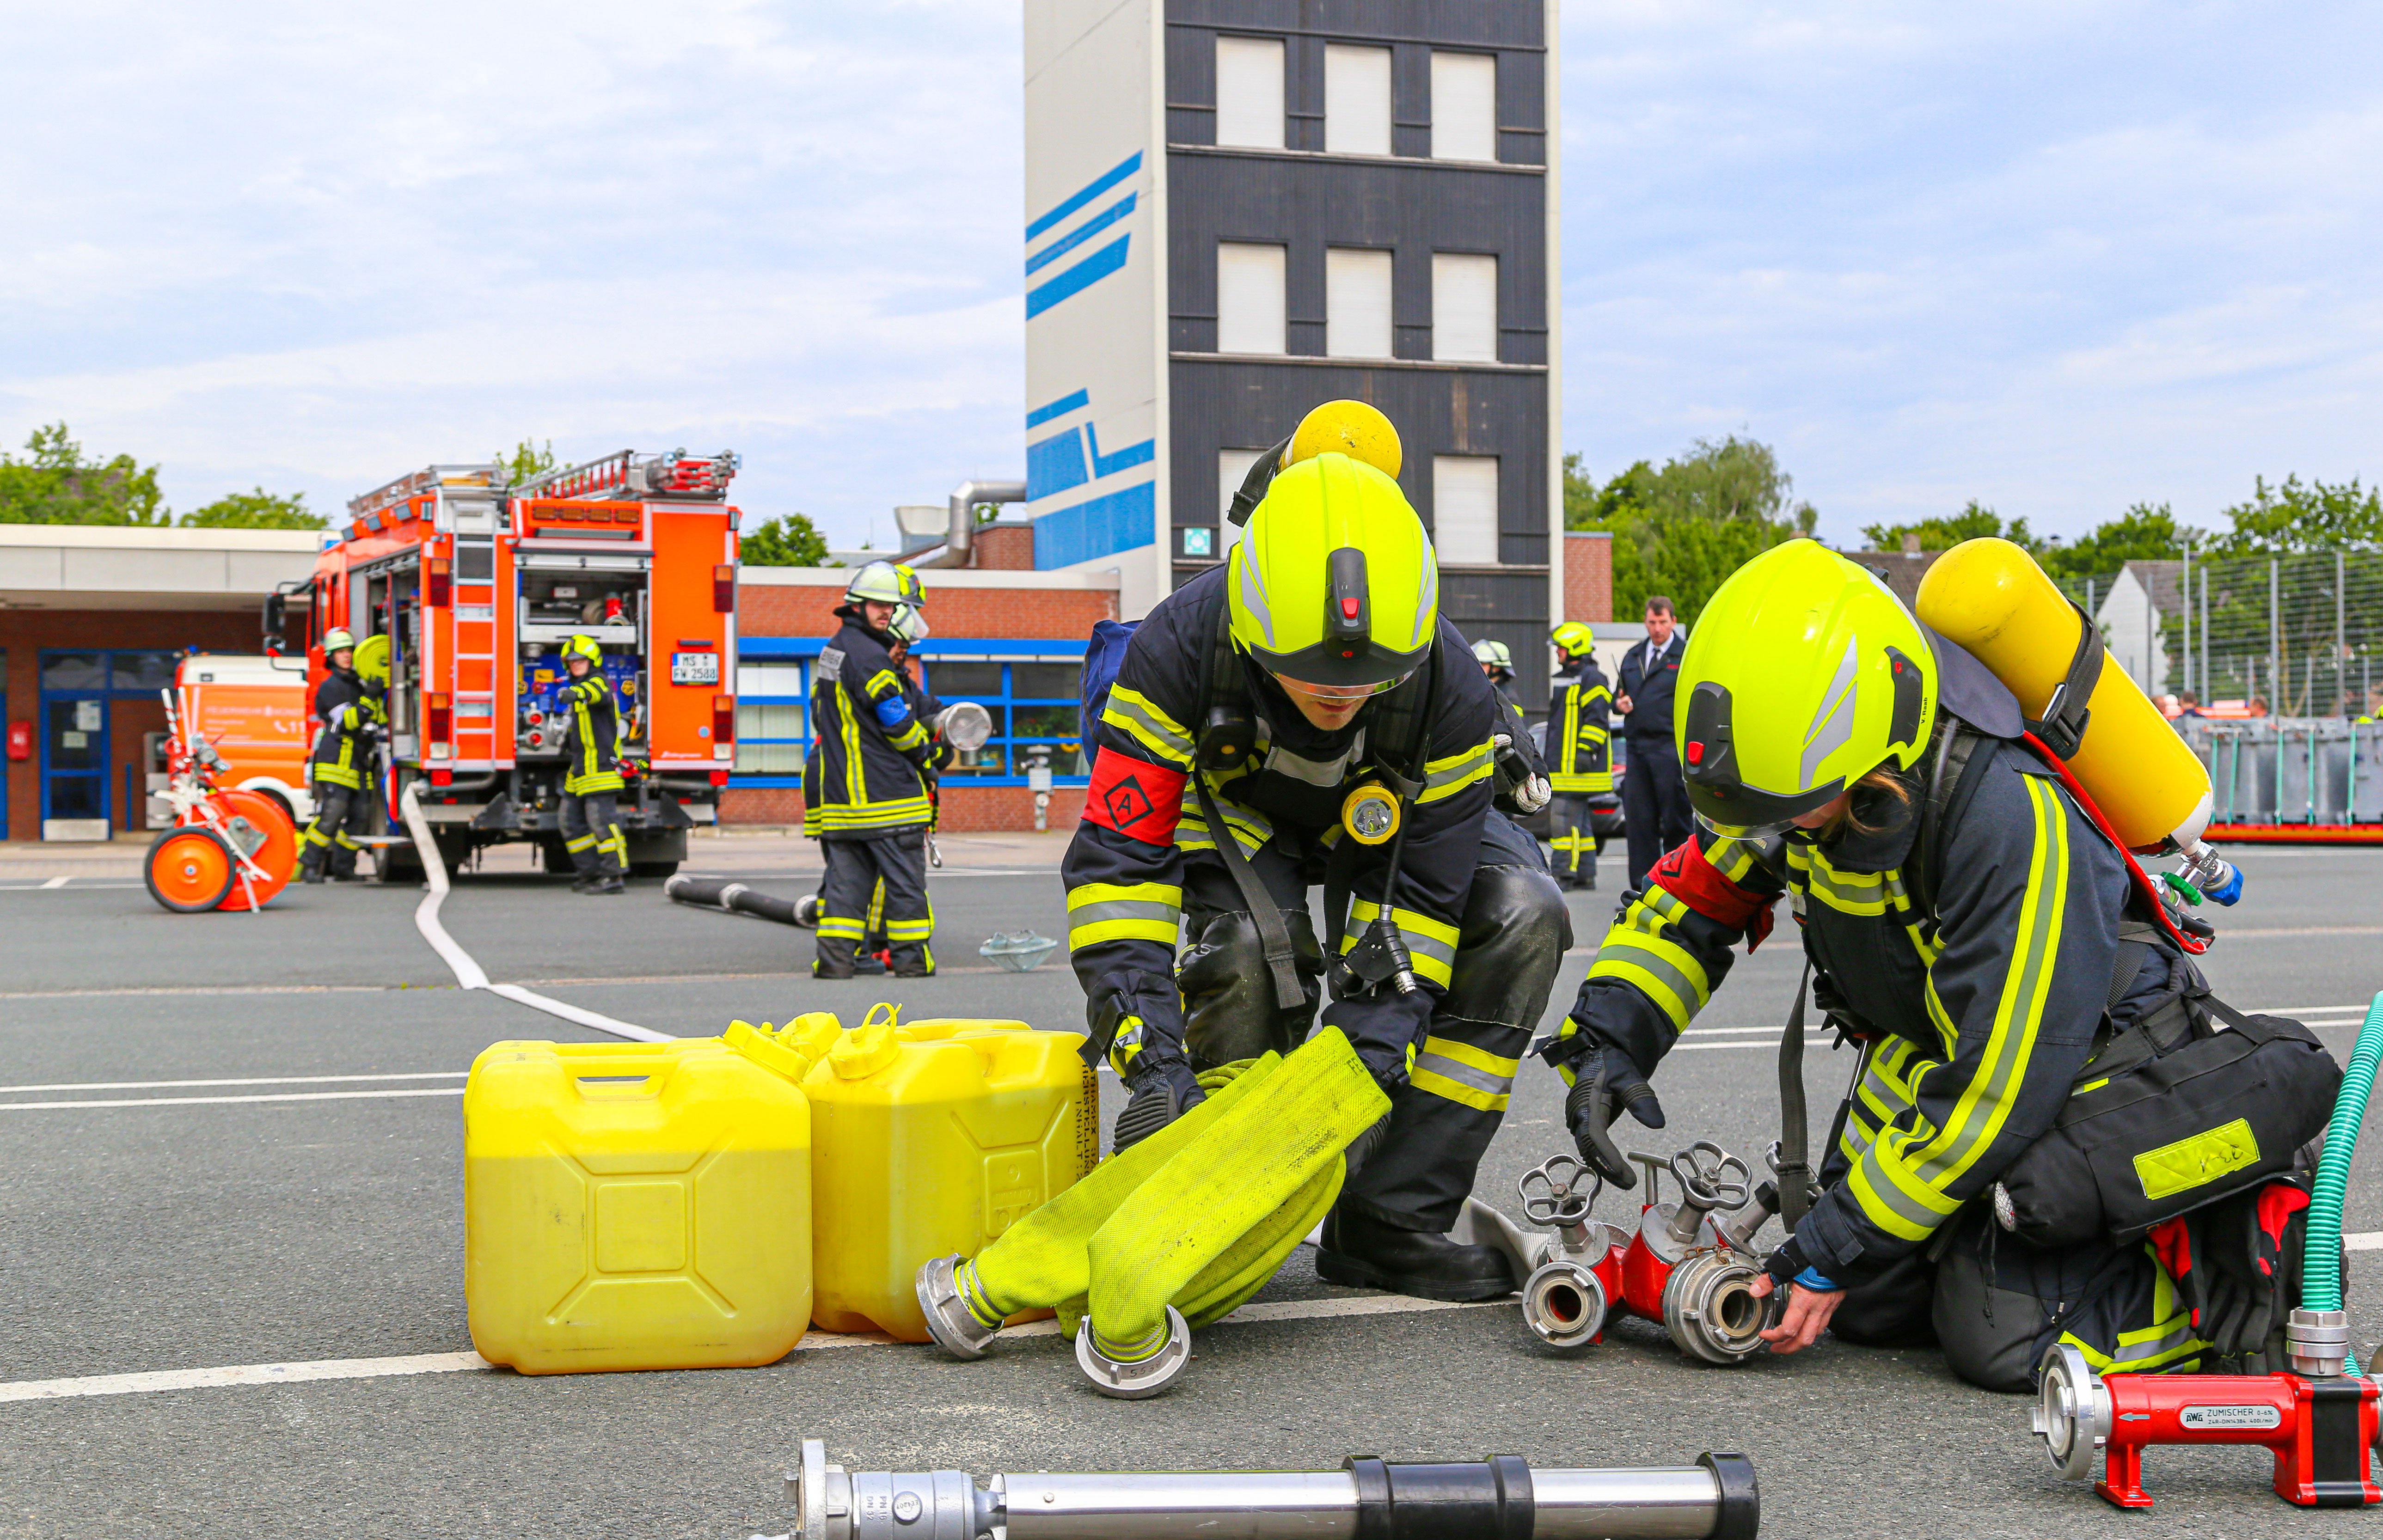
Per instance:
(2286,770)
(2288,636)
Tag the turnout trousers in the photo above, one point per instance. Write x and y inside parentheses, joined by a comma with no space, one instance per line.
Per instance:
(1576,847)
(591,833)
(1512,938)
(855,867)
(1654,805)
(341,814)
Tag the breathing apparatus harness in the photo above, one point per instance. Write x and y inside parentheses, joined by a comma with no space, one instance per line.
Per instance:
(1398,733)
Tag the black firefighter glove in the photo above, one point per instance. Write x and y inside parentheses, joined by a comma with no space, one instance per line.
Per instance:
(1164,1090)
(1604,1081)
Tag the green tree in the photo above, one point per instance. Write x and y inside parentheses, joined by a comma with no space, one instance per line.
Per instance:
(2143,532)
(255,510)
(2320,516)
(527,460)
(56,484)
(1682,530)
(793,541)
(1975,521)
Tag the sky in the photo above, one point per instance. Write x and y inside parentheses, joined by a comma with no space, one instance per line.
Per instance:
(2057,257)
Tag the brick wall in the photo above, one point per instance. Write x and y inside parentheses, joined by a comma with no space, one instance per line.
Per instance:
(809,611)
(967,809)
(1003,548)
(1588,576)
(26,634)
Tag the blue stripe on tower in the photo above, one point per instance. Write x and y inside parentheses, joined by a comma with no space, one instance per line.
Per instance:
(1099,185)
(1082,276)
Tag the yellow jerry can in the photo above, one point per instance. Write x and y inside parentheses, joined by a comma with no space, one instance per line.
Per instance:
(932,1137)
(635,1206)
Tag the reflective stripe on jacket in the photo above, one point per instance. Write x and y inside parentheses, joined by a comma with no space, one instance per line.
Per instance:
(593,749)
(1580,748)
(345,708)
(862,774)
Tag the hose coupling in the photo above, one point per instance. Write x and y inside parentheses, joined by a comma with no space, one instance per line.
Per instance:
(1710,1309)
(955,1327)
(1135,1378)
(2317,1342)
(1564,1304)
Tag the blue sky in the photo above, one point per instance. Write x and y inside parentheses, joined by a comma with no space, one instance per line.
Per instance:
(2055,256)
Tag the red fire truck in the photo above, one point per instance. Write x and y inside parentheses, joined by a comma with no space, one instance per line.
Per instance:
(478,584)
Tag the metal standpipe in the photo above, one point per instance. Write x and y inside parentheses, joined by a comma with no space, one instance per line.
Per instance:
(1499,1498)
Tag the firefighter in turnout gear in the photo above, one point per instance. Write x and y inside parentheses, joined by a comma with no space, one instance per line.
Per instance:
(351,713)
(591,788)
(865,784)
(1579,753)
(1966,922)
(1300,715)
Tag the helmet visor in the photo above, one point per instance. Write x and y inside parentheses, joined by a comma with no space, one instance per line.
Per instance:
(1339,693)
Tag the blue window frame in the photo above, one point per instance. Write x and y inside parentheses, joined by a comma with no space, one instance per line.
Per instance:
(78,688)
(1028,687)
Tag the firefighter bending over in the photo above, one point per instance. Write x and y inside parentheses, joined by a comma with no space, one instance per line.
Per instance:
(1300,715)
(865,783)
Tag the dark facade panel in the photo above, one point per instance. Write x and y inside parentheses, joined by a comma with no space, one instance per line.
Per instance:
(1518,24)
(1232,403)
(1521,75)
(1309,205)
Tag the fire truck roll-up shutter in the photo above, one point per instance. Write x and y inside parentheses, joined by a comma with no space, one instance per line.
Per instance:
(694,638)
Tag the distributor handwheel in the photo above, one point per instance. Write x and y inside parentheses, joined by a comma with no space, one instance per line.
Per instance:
(189,870)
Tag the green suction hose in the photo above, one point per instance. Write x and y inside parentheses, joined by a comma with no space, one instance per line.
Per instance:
(2321,1263)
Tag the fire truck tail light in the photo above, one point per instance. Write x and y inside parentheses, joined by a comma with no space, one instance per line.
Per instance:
(442,778)
(723,588)
(441,582)
(720,778)
(442,718)
(724,721)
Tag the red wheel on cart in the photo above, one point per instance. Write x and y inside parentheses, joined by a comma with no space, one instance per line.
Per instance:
(278,855)
(189,870)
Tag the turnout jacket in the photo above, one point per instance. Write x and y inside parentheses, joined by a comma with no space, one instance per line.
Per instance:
(1580,731)
(1980,1014)
(346,710)
(864,774)
(1143,823)
(591,745)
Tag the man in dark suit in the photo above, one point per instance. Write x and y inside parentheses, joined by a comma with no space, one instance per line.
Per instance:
(1654,801)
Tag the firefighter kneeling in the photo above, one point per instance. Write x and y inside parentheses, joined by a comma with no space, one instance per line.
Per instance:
(1303,714)
(1983,938)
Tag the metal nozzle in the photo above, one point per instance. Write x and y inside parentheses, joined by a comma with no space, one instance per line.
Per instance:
(1716,1497)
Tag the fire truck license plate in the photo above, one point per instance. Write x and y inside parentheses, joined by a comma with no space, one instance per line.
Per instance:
(695,667)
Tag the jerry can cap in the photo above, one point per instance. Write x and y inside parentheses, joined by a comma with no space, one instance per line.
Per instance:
(777,1057)
(864,1051)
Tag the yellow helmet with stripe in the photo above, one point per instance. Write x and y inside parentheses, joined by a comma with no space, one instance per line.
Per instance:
(1805,674)
(583,646)
(1575,638)
(1335,583)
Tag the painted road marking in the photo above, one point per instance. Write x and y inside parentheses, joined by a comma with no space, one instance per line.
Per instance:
(449,1364)
(220,1101)
(55,882)
(261,1081)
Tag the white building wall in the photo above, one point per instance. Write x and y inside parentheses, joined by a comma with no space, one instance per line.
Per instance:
(1095,291)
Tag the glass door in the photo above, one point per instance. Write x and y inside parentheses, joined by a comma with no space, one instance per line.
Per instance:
(74,745)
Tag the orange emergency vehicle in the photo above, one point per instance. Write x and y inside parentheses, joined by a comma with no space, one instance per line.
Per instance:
(478,583)
(251,711)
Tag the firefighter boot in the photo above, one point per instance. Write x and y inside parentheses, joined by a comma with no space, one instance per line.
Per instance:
(1364,1253)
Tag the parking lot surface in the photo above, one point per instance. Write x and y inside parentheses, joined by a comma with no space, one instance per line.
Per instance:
(235,1140)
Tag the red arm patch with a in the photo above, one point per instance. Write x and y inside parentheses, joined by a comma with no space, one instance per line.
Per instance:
(1138,799)
(1688,877)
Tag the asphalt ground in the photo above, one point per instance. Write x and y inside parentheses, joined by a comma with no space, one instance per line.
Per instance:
(190,1235)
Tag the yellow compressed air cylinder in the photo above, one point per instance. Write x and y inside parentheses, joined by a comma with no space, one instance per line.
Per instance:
(1990,598)
(1352,428)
